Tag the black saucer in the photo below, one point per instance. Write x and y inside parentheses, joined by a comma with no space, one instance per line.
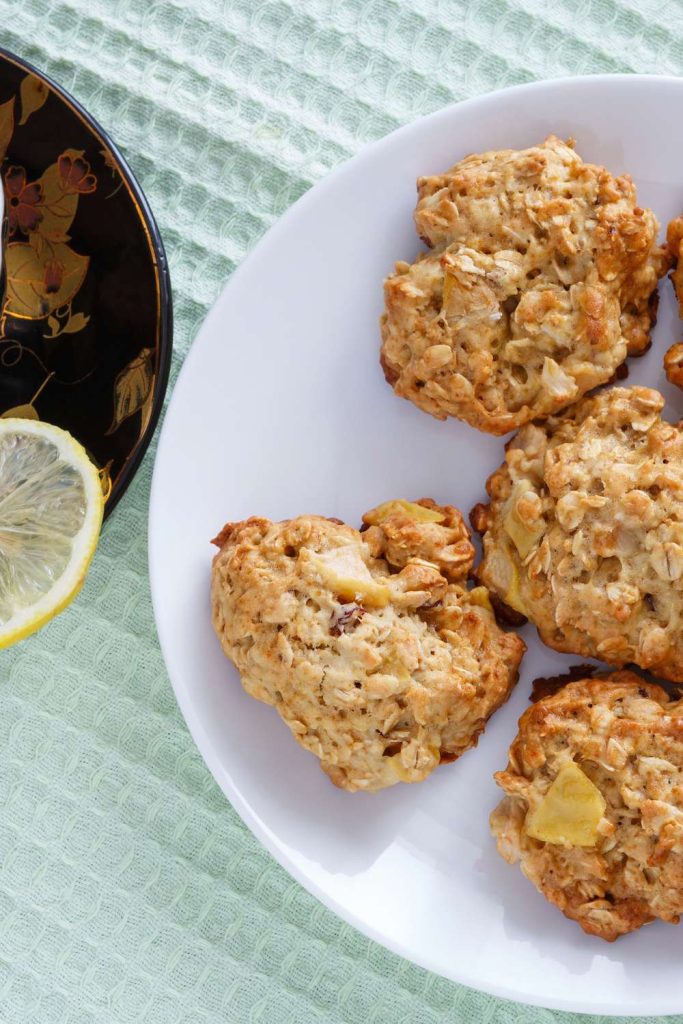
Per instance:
(86,323)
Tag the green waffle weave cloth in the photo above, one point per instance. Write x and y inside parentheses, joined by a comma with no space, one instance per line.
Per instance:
(130,891)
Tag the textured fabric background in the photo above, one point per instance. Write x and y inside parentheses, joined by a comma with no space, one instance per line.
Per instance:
(129,889)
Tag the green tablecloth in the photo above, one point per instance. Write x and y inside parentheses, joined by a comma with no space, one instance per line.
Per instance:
(130,891)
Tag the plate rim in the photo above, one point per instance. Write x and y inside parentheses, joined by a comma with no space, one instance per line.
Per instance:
(220,773)
(162,276)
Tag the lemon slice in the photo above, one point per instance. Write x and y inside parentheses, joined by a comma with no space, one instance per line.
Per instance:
(50,518)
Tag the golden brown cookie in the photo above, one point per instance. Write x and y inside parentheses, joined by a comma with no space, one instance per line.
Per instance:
(369,644)
(673,364)
(584,531)
(593,811)
(541,281)
(673,359)
(674,244)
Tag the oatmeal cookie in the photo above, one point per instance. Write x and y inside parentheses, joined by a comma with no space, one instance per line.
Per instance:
(593,810)
(673,364)
(541,281)
(584,531)
(673,359)
(674,244)
(368,644)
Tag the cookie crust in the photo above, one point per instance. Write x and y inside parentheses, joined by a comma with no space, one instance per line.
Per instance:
(541,280)
(370,645)
(584,531)
(626,735)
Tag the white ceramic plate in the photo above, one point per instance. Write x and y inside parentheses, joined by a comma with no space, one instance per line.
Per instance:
(281,408)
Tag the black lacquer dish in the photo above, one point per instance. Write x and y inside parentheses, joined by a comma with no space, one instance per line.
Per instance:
(86,315)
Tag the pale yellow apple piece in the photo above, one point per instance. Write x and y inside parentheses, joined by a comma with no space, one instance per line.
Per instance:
(570,811)
(344,571)
(418,513)
(480,597)
(524,533)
